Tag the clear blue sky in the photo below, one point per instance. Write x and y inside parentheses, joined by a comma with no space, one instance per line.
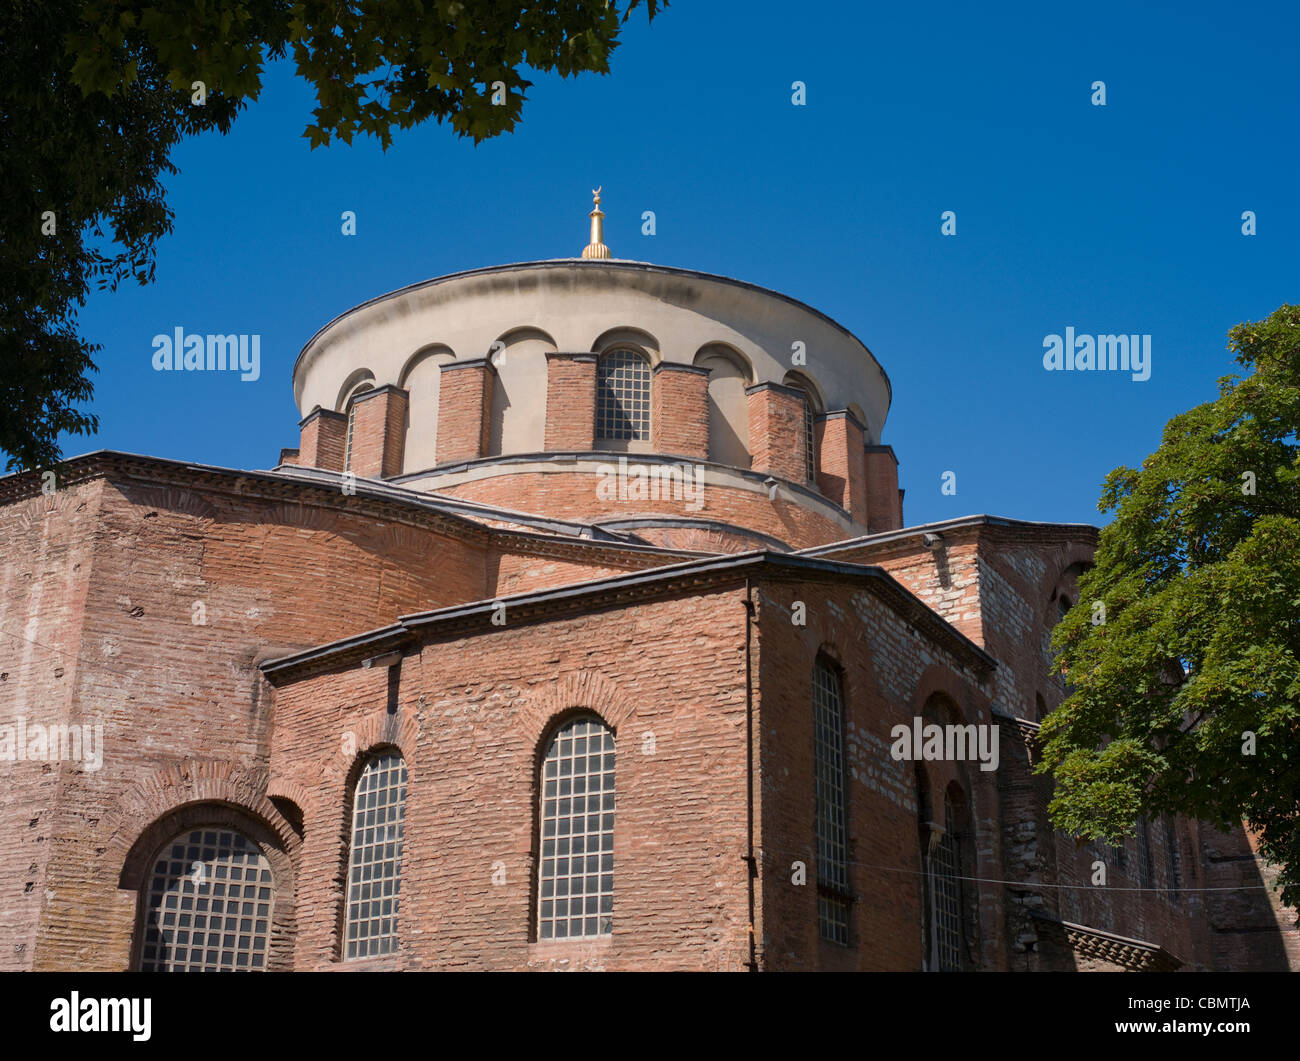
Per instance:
(1124,218)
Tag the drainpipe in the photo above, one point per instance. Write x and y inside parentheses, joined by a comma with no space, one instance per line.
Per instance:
(751,864)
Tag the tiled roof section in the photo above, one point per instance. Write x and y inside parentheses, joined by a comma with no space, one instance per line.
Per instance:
(629,588)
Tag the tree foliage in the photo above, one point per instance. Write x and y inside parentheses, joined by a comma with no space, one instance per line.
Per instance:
(1187,697)
(95,94)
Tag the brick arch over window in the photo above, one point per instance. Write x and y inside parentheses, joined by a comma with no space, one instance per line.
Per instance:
(1064,582)
(376,730)
(942,709)
(280,789)
(580,690)
(189,782)
(176,826)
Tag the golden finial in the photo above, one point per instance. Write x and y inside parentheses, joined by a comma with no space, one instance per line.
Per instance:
(596,248)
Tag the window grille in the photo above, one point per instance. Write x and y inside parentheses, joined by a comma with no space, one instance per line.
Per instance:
(209,905)
(575,881)
(375,866)
(832,843)
(1174,857)
(810,441)
(622,397)
(352,419)
(946,899)
(1144,853)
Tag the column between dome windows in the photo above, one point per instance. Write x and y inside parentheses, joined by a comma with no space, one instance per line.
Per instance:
(570,402)
(378,432)
(679,410)
(464,405)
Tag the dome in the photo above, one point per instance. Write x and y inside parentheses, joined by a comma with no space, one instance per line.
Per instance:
(491,383)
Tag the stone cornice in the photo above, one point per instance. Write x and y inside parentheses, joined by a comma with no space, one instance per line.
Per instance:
(1133,954)
(789,392)
(472,362)
(561,355)
(674,366)
(323,414)
(371,392)
(844,414)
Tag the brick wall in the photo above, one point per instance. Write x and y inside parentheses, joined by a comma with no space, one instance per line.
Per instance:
(570,401)
(464,397)
(883,500)
(48,547)
(378,432)
(145,609)
(776,431)
(488,699)
(889,672)
(679,410)
(841,463)
(324,440)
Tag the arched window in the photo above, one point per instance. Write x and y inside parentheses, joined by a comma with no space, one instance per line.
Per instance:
(375,864)
(1173,857)
(1145,874)
(943,874)
(622,397)
(352,416)
(832,832)
(810,409)
(208,905)
(575,879)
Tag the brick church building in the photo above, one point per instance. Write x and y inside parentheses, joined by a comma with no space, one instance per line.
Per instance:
(574,634)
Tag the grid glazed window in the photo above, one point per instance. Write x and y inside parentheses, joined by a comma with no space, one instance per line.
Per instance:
(945,896)
(375,865)
(832,843)
(1111,854)
(352,419)
(1144,853)
(209,905)
(1174,858)
(622,396)
(575,881)
(810,441)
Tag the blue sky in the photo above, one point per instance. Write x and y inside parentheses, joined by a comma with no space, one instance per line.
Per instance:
(1117,219)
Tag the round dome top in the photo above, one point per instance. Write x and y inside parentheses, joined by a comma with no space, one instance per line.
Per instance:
(587,305)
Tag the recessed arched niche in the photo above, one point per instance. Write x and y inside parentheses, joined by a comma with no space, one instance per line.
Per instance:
(420,377)
(729,374)
(517,418)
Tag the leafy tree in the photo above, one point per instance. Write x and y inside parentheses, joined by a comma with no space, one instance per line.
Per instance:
(1187,697)
(95,94)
